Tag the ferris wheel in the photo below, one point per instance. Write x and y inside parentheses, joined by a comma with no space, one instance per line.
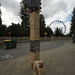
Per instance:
(60,22)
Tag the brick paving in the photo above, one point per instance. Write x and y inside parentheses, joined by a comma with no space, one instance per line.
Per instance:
(58,61)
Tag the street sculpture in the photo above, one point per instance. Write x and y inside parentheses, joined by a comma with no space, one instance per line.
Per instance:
(34,9)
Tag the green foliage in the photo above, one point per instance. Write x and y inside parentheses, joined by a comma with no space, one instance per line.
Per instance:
(3,30)
(49,31)
(58,32)
(42,25)
(43,28)
(24,15)
(16,30)
(0,21)
(72,30)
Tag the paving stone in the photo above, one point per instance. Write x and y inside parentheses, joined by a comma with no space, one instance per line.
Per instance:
(58,61)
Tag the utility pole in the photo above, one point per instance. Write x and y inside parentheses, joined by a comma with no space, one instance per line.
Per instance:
(34,9)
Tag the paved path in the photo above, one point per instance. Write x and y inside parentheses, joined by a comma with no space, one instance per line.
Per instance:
(58,61)
(23,49)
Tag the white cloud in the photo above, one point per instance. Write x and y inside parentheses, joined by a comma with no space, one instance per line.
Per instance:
(8,18)
(68,27)
(19,0)
(51,9)
(10,11)
(58,10)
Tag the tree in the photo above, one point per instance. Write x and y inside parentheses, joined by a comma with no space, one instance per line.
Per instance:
(16,30)
(3,30)
(0,21)
(49,31)
(43,28)
(42,25)
(58,32)
(61,32)
(24,15)
(72,30)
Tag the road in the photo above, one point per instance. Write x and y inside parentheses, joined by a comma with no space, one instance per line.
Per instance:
(24,49)
(58,56)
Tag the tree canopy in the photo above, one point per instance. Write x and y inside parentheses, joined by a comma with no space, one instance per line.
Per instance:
(58,32)
(72,30)
(16,30)
(43,28)
(42,25)
(3,30)
(24,15)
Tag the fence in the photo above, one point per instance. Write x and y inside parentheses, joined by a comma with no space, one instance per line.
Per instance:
(26,39)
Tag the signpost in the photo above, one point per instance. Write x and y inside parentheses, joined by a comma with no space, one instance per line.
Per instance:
(45,35)
(10,38)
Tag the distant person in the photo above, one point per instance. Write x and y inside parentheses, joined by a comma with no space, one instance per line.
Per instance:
(73,38)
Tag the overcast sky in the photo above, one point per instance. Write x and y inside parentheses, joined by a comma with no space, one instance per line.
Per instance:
(51,9)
